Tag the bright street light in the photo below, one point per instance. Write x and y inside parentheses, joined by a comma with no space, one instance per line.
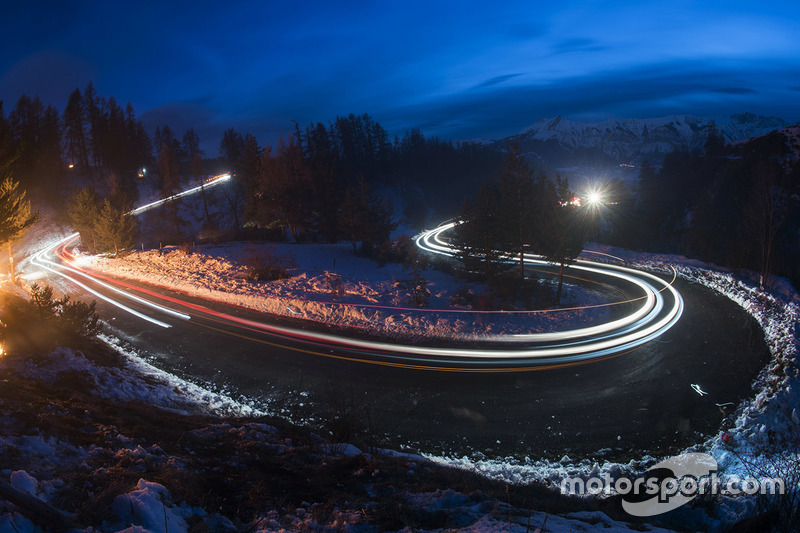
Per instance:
(594,198)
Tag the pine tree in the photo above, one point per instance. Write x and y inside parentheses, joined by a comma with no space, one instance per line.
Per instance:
(75,131)
(36,132)
(115,229)
(516,212)
(564,231)
(366,217)
(93,118)
(15,218)
(230,148)
(84,209)
(9,150)
(171,226)
(194,157)
(140,147)
(479,234)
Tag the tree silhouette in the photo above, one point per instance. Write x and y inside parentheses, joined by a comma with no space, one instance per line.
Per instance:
(479,234)
(564,230)
(15,218)
(516,198)
(84,209)
(115,229)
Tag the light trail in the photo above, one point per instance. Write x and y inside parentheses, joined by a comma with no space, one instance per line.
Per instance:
(653,315)
(216,180)
(40,260)
(647,323)
(62,255)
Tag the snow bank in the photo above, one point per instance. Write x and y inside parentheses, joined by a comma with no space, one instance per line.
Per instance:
(163,389)
(149,506)
(333,286)
(777,311)
(23,481)
(773,409)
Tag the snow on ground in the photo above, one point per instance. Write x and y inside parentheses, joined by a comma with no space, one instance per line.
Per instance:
(46,232)
(777,311)
(47,467)
(335,277)
(218,272)
(771,412)
(332,285)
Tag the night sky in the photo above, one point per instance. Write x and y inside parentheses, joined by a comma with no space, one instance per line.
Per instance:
(456,69)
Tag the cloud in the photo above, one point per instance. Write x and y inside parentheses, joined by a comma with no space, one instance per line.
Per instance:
(694,87)
(577,45)
(497,80)
(734,90)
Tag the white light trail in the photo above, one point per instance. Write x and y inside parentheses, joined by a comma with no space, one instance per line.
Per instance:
(40,260)
(646,322)
(216,180)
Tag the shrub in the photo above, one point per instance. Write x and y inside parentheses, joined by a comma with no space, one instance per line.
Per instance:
(417,286)
(187,248)
(78,318)
(266,264)
(463,297)
(335,283)
(44,322)
(74,319)
(775,454)
(402,251)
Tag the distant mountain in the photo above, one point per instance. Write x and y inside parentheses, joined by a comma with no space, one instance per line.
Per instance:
(791,139)
(748,125)
(616,146)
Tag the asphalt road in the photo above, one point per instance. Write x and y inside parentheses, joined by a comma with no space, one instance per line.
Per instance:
(640,401)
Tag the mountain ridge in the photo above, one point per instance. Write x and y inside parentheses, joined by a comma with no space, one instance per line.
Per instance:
(562,144)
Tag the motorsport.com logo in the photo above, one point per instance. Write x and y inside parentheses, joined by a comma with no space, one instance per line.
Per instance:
(671,483)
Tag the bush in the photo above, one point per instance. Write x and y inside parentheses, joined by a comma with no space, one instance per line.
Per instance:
(402,251)
(775,454)
(266,264)
(463,297)
(44,322)
(78,318)
(74,319)
(417,286)
(335,283)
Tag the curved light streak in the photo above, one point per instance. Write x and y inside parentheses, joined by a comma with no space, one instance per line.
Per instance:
(40,260)
(654,316)
(628,332)
(95,279)
(216,180)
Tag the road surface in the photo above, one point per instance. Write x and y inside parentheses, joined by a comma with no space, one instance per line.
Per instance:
(639,400)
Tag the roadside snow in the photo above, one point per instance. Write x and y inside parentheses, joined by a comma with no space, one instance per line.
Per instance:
(777,311)
(149,506)
(771,412)
(344,297)
(23,481)
(333,286)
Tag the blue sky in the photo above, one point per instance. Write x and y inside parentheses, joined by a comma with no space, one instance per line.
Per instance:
(454,69)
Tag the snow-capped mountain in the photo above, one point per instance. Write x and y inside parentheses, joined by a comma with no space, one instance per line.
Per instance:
(562,143)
